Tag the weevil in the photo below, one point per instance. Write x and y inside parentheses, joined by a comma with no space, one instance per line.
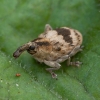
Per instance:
(53,47)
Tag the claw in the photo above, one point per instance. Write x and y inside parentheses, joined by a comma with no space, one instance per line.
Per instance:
(54,75)
(81,48)
(78,63)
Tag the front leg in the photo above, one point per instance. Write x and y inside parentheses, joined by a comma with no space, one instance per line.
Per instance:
(54,65)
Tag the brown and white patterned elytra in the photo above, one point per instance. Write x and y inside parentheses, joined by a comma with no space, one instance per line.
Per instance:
(53,47)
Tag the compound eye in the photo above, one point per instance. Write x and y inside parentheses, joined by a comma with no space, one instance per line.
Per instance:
(31,47)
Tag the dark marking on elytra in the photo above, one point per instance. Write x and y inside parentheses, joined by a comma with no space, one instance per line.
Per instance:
(78,36)
(56,43)
(58,49)
(72,45)
(43,43)
(75,33)
(36,39)
(65,33)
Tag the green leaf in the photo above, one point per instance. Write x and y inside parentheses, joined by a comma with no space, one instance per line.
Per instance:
(22,21)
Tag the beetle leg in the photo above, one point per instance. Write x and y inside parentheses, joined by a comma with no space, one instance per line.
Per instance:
(76,50)
(62,59)
(54,65)
(77,63)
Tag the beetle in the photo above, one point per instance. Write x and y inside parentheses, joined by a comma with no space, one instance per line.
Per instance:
(53,47)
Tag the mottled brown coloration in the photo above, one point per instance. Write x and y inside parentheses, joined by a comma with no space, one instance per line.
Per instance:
(56,46)
(56,43)
(36,39)
(32,52)
(53,47)
(75,33)
(63,52)
(71,45)
(65,33)
(44,43)
(78,36)
(58,49)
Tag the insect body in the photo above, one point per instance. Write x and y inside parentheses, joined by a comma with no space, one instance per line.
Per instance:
(53,47)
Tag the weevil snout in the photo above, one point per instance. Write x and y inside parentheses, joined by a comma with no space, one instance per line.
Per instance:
(17,53)
(21,49)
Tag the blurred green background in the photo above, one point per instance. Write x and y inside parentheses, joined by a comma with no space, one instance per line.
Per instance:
(22,21)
